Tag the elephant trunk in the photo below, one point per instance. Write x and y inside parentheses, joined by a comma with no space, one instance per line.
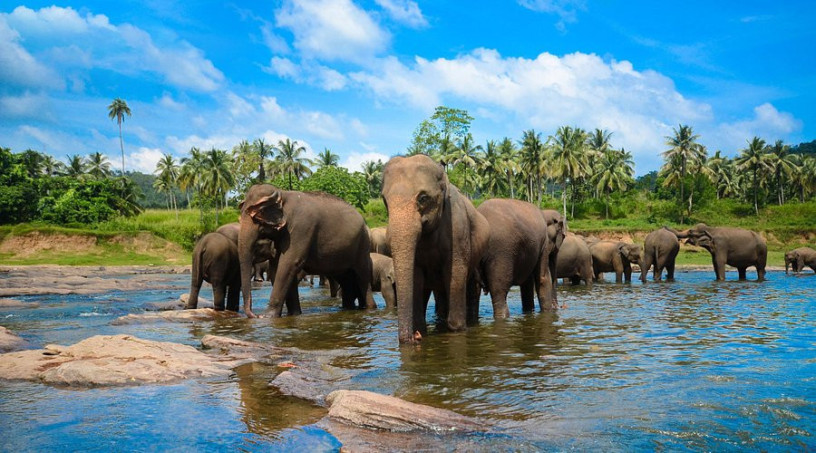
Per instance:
(404,230)
(246,242)
(680,234)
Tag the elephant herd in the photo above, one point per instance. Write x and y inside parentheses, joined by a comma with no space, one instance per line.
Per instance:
(436,243)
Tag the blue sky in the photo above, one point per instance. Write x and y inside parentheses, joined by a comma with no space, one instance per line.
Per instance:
(357,77)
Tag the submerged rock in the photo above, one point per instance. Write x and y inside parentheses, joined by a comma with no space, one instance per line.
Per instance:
(14,303)
(199,314)
(177,304)
(9,341)
(375,411)
(114,360)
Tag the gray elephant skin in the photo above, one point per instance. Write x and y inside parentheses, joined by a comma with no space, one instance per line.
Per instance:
(215,260)
(660,250)
(797,259)
(312,232)
(556,230)
(437,239)
(517,254)
(264,252)
(382,278)
(575,260)
(379,241)
(614,256)
(729,246)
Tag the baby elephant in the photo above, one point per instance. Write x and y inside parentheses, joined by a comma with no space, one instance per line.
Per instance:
(382,278)
(215,260)
(614,256)
(799,258)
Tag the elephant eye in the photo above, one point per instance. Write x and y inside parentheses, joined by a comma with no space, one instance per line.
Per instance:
(423,199)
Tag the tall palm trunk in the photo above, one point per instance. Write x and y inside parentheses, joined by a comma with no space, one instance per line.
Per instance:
(121,146)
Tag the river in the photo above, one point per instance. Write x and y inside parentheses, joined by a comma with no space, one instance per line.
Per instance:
(691,365)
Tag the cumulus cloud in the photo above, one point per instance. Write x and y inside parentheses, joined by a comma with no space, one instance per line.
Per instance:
(354,161)
(27,105)
(566,10)
(95,43)
(767,122)
(144,160)
(404,11)
(334,30)
(307,72)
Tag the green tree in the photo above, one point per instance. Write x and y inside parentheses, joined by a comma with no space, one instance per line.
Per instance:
(372,172)
(118,109)
(491,169)
(509,163)
(532,159)
(425,139)
(339,182)
(754,160)
(327,159)
(263,151)
(217,178)
(782,165)
(685,152)
(289,160)
(167,174)
(615,172)
(51,166)
(97,165)
(466,158)
(192,168)
(75,167)
(569,159)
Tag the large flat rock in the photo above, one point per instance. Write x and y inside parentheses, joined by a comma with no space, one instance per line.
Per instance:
(9,341)
(199,314)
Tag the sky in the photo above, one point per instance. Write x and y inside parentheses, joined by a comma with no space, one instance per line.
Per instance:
(358,77)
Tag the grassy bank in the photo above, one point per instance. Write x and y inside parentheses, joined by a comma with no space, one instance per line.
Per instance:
(157,237)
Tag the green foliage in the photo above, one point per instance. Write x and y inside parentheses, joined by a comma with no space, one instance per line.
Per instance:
(339,182)
(374,213)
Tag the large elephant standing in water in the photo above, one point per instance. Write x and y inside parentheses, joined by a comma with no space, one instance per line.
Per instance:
(797,259)
(660,250)
(517,254)
(312,232)
(215,260)
(729,246)
(437,239)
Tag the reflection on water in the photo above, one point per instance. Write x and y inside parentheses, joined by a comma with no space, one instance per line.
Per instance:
(696,364)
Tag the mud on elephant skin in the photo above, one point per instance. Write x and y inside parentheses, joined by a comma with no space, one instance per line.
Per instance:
(798,259)
(614,256)
(437,239)
(312,232)
(215,260)
(660,250)
(735,247)
(518,253)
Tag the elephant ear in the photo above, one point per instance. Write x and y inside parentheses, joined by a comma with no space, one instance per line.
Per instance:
(268,211)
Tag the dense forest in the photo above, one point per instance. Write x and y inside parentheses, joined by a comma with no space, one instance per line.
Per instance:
(576,170)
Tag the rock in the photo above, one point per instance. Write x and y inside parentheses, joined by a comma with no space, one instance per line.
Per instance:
(9,341)
(14,303)
(309,380)
(199,314)
(177,304)
(34,280)
(112,361)
(374,411)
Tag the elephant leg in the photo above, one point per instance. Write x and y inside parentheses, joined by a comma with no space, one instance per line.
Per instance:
(472,300)
(743,271)
(192,298)
(645,265)
(419,306)
(627,272)
(389,293)
(547,299)
(528,295)
(233,295)
(285,277)
(334,286)
(719,267)
(219,294)
(670,267)
(499,285)
(575,280)
(293,300)
(349,294)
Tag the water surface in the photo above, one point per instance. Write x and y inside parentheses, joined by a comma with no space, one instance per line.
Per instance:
(691,365)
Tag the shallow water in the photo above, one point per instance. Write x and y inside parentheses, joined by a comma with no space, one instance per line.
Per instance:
(691,365)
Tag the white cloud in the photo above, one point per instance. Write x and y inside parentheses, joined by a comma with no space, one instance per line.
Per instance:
(354,161)
(767,123)
(308,72)
(335,30)
(27,105)
(143,160)
(18,66)
(566,10)
(167,102)
(404,11)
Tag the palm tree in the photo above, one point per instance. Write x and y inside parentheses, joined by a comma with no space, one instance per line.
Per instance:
(492,169)
(372,171)
(217,178)
(75,167)
(263,151)
(466,156)
(684,152)
(327,159)
(569,158)
(51,166)
(719,172)
(754,160)
(615,172)
(118,109)
(128,202)
(97,165)
(598,143)
(782,165)
(509,156)
(289,160)
(532,156)
(167,173)
(190,177)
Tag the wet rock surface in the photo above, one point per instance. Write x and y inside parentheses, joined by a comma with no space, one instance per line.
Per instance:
(177,304)
(33,280)
(7,304)
(199,314)
(9,341)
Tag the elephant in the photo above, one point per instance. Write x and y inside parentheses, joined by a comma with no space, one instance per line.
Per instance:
(382,278)
(437,239)
(556,229)
(797,259)
(660,250)
(379,241)
(264,252)
(517,254)
(732,246)
(313,232)
(575,260)
(215,260)
(614,256)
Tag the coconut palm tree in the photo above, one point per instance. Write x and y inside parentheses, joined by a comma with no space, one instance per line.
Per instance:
(75,167)
(118,109)
(685,153)
(492,169)
(217,178)
(263,151)
(167,174)
(190,177)
(327,159)
(128,202)
(598,143)
(532,156)
(616,170)
(804,176)
(289,161)
(51,166)
(570,162)
(466,155)
(509,158)
(782,166)
(97,165)
(372,171)
(754,160)
(719,172)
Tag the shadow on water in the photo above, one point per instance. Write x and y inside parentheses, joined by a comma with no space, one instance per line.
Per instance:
(696,364)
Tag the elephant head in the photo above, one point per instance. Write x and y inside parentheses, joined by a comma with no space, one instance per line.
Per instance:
(262,219)
(630,251)
(704,240)
(556,230)
(793,260)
